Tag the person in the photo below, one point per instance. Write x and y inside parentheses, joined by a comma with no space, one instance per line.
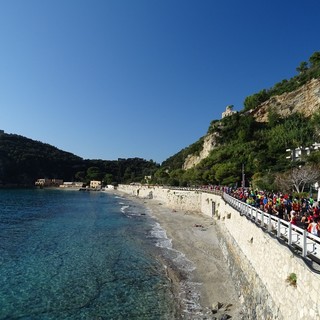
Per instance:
(288,205)
(312,228)
(305,221)
(318,227)
(293,217)
(316,213)
(311,201)
(280,209)
(269,207)
(296,205)
(292,213)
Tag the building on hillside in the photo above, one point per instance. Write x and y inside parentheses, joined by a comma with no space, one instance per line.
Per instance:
(147,179)
(94,184)
(44,182)
(297,154)
(72,185)
(108,187)
(229,111)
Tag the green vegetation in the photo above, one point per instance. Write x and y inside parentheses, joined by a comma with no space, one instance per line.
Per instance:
(259,147)
(23,161)
(241,142)
(177,161)
(307,71)
(292,279)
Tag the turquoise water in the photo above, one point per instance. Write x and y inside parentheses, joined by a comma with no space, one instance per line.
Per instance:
(79,255)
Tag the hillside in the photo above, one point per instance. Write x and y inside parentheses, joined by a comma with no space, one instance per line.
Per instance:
(305,101)
(23,161)
(247,146)
(286,116)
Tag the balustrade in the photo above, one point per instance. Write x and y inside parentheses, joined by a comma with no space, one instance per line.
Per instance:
(303,242)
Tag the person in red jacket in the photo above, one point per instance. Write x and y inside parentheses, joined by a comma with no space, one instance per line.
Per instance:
(293,217)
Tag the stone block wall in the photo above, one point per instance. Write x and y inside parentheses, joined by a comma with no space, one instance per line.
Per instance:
(259,264)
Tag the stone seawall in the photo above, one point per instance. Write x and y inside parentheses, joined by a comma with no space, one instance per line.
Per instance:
(258,263)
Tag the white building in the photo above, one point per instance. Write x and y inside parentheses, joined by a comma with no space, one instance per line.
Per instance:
(71,185)
(229,111)
(94,184)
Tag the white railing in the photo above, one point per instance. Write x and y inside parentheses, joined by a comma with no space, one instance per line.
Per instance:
(307,244)
(303,242)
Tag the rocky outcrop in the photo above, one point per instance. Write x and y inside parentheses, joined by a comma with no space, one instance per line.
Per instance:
(305,100)
(208,145)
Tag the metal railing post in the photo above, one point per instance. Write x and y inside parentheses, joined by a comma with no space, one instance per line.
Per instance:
(289,231)
(290,234)
(269,223)
(279,228)
(304,243)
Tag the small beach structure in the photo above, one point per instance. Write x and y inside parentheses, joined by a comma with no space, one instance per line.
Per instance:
(71,185)
(44,182)
(95,185)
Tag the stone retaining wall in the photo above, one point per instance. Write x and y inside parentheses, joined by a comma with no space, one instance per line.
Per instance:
(258,263)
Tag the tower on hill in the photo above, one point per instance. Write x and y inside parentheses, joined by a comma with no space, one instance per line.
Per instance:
(229,111)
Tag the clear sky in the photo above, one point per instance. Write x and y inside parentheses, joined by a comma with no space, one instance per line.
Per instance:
(116,79)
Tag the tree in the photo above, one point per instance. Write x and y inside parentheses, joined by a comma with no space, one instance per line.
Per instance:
(94,173)
(175,177)
(251,102)
(273,117)
(108,178)
(302,67)
(80,176)
(298,178)
(246,127)
(314,157)
(161,175)
(191,177)
(226,173)
(264,181)
(315,59)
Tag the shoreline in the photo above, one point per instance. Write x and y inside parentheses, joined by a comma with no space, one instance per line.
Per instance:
(205,290)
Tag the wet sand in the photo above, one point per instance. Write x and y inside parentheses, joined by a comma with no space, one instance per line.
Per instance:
(195,236)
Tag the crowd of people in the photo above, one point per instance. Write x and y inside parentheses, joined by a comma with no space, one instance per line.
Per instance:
(303,212)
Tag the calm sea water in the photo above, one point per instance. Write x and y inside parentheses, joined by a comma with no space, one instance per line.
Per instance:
(79,255)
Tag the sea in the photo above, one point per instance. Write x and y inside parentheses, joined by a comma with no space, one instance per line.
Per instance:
(84,255)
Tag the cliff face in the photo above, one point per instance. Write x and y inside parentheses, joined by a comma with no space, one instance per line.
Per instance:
(305,100)
(209,144)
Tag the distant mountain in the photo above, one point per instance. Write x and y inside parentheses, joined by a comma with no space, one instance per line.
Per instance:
(23,161)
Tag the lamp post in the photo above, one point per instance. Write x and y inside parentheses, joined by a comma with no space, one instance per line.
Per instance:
(243,183)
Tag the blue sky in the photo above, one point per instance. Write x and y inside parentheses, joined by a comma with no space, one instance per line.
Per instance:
(142,78)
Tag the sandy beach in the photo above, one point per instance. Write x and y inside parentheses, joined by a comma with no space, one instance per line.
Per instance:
(195,236)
